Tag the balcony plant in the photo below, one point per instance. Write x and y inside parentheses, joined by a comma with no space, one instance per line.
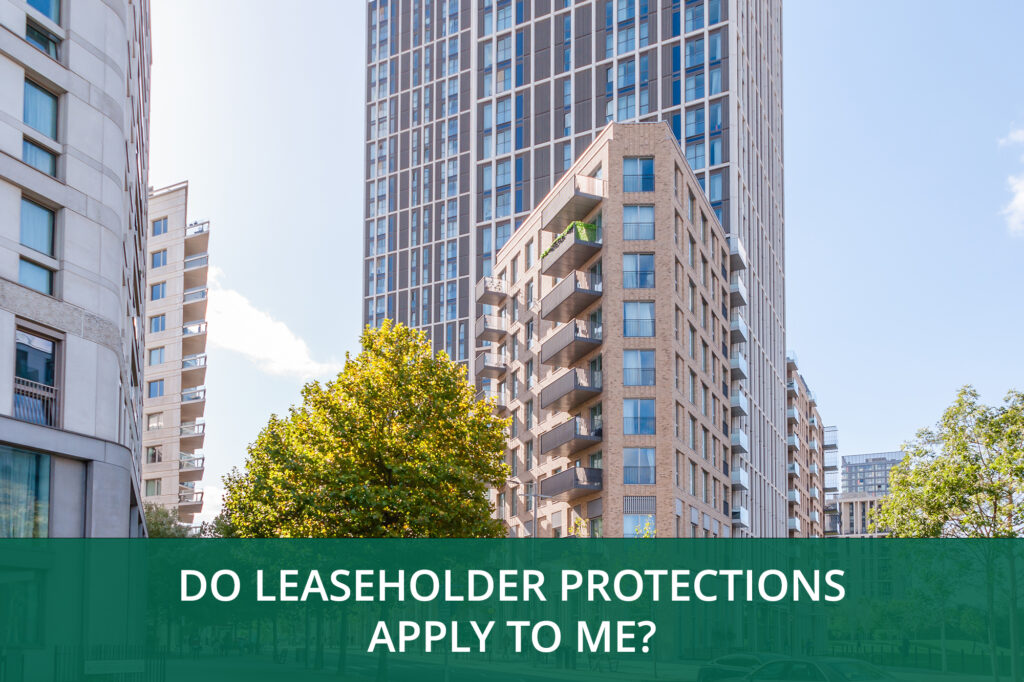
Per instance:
(587,232)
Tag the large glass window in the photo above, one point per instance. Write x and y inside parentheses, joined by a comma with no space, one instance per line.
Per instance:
(157,323)
(638,368)
(42,39)
(638,416)
(638,466)
(35,395)
(638,525)
(41,159)
(158,291)
(49,8)
(638,318)
(638,271)
(638,174)
(24,493)
(159,227)
(695,155)
(156,388)
(35,276)
(36,227)
(40,110)
(694,86)
(637,222)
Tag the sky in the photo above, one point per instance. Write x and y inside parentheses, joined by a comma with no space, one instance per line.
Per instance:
(904,200)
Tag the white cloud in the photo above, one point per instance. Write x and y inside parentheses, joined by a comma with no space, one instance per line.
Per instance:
(239,326)
(1015,137)
(1014,210)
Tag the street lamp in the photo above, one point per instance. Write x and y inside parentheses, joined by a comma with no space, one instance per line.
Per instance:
(514,483)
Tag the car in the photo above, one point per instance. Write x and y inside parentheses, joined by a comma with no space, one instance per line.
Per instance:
(733,666)
(817,670)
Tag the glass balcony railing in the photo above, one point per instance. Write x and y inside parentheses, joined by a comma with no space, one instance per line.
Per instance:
(195,361)
(194,328)
(200,260)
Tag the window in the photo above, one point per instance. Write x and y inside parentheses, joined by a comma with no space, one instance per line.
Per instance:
(638,271)
(158,291)
(41,159)
(638,368)
(42,39)
(638,417)
(155,421)
(37,227)
(695,155)
(638,468)
(638,525)
(159,258)
(638,174)
(49,8)
(156,355)
(694,86)
(35,368)
(695,121)
(156,388)
(637,222)
(40,109)
(154,454)
(152,487)
(35,276)
(638,318)
(694,17)
(157,323)
(159,227)
(25,480)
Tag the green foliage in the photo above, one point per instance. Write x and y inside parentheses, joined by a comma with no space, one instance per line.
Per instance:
(396,446)
(963,478)
(162,522)
(585,231)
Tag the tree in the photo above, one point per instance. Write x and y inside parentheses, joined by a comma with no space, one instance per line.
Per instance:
(965,479)
(395,446)
(962,479)
(162,522)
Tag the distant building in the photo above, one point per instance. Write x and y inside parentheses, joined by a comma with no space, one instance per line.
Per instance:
(175,402)
(865,481)
(805,468)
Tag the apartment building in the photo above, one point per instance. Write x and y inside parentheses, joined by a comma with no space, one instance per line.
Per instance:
(806,467)
(475,110)
(74,137)
(868,473)
(175,398)
(611,319)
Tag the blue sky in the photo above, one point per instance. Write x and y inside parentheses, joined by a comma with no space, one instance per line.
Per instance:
(904,143)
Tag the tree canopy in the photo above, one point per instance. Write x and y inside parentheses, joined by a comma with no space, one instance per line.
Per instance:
(962,478)
(395,446)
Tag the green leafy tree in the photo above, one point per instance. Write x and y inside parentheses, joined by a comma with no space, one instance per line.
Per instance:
(395,446)
(162,522)
(965,479)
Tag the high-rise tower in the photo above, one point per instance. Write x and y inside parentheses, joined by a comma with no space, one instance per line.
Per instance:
(475,109)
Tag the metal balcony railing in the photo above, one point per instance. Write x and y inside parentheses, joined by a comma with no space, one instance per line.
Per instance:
(36,403)
(191,497)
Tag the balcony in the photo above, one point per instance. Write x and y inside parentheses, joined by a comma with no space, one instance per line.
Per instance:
(36,403)
(193,395)
(196,361)
(737,329)
(569,437)
(200,260)
(570,390)
(739,404)
(570,297)
(793,415)
(576,245)
(491,328)
(740,478)
(194,328)
(791,389)
(791,360)
(491,365)
(572,341)
(815,516)
(737,367)
(813,469)
(740,517)
(192,429)
(794,524)
(793,496)
(491,291)
(812,398)
(500,398)
(814,493)
(190,500)
(812,445)
(190,466)
(572,483)
(737,253)
(793,469)
(737,291)
(197,230)
(570,200)
(195,294)
(740,441)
